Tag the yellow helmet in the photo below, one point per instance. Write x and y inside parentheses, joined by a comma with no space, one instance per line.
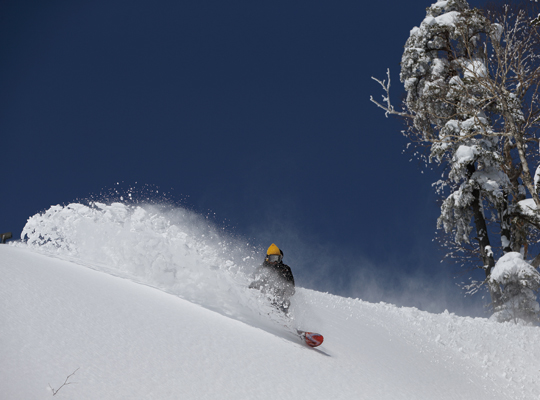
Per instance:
(274,254)
(273,249)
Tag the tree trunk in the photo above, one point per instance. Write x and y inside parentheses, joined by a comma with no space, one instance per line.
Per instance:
(506,226)
(516,132)
(483,239)
(526,175)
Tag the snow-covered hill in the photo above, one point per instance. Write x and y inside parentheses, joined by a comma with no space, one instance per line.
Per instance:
(152,304)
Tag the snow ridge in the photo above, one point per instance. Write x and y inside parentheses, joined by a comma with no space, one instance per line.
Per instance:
(170,248)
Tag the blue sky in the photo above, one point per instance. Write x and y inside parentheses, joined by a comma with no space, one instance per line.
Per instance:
(256,114)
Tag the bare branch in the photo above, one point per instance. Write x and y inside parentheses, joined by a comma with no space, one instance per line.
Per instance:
(389,108)
(66,382)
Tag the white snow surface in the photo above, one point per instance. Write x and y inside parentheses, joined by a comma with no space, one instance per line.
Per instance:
(465,154)
(81,296)
(446,19)
(475,69)
(511,267)
(528,207)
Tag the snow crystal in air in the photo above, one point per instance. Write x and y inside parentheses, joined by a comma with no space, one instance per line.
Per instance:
(173,249)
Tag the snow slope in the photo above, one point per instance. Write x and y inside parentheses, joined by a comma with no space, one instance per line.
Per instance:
(202,335)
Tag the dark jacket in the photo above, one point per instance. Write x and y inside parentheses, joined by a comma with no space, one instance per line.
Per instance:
(274,279)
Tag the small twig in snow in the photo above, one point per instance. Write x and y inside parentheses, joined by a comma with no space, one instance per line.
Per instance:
(54,391)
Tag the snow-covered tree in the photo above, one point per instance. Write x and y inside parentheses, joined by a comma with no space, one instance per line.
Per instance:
(472,80)
(519,281)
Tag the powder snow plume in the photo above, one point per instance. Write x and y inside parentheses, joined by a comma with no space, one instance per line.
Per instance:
(167,247)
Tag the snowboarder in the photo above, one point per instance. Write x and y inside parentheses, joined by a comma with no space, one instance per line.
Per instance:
(275,279)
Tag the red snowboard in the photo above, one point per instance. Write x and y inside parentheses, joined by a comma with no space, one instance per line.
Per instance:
(312,339)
